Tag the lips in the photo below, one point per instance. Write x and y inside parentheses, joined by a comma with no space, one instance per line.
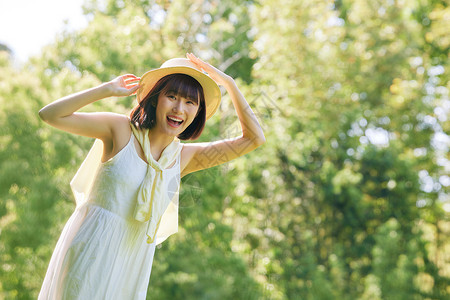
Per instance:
(174,121)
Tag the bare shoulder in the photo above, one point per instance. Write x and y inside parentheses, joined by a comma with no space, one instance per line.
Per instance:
(188,152)
(120,134)
(119,127)
(119,123)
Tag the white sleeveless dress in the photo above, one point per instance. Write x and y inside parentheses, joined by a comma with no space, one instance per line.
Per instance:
(102,252)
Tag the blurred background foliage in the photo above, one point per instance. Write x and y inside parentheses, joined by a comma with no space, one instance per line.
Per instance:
(348,198)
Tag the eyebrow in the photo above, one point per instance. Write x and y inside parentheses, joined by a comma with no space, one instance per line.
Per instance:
(176,93)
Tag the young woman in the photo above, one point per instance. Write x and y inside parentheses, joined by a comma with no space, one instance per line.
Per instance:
(127,188)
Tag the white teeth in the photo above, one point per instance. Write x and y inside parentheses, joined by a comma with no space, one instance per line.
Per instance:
(176,120)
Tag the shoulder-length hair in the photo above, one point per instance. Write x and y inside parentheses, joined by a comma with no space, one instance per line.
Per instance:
(144,114)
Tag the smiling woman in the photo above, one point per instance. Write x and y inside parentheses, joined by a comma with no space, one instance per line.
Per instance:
(181,91)
(127,188)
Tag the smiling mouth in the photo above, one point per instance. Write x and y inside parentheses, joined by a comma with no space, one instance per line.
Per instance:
(174,122)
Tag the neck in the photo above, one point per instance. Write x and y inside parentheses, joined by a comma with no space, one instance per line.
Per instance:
(158,142)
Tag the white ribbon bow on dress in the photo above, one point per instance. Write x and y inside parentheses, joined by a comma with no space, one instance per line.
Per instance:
(152,200)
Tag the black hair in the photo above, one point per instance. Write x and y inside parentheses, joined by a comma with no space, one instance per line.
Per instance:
(144,114)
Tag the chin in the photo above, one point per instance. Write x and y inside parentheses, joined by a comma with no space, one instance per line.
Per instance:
(174,131)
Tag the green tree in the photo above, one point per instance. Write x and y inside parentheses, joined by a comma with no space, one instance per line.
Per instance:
(354,84)
(37,201)
(344,199)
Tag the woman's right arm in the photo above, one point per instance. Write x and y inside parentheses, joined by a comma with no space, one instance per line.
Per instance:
(62,113)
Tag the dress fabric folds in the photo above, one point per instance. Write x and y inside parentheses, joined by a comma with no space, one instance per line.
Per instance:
(102,252)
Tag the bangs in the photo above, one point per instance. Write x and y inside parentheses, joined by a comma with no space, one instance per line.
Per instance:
(184,86)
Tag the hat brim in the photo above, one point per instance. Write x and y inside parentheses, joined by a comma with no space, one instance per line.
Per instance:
(210,88)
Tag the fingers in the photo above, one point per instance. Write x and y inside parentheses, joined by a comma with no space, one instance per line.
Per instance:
(128,91)
(126,76)
(133,90)
(190,56)
(195,59)
(201,64)
(215,74)
(132,86)
(130,81)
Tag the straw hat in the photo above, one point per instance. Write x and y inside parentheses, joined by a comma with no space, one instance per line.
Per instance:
(184,66)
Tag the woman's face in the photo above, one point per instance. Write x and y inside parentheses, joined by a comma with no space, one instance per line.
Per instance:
(173,109)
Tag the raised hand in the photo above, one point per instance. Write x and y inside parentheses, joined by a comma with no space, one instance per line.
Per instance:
(218,76)
(124,85)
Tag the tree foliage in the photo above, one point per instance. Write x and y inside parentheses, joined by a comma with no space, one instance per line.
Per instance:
(344,201)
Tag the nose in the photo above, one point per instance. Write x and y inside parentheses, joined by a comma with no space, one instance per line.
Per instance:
(178,106)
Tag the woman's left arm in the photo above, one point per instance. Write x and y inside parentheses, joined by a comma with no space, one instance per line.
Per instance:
(198,156)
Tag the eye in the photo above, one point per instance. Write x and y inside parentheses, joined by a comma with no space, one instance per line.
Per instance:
(171,96)
(191,102)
